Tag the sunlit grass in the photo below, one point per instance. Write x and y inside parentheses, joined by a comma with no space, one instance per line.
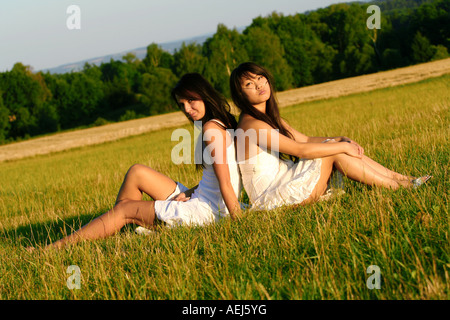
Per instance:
(321,251)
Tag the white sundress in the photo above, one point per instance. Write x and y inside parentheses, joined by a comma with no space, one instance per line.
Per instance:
(206,204)
(271,182)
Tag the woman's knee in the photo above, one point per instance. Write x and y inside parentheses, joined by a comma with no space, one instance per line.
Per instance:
(339,160)
(327,165)
(121,209)
(137,173)
(338,157)
(132,211)
(136,170)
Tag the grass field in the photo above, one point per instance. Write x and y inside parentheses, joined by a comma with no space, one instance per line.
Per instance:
(320,251)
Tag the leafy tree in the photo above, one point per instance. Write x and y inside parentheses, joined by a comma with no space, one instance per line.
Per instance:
(421,49)
(157,80)
(265,48)
(404,20)
(432,20)
(61,99)
(299,60)
(131,59)
(77,97)
(295,36)
(322,57)
(23,95)
(155,90)
(156,57)
(348,34)
(119,81)
(224,51)
(440,52)
(321,53)
(48,118)
(390,5)
(392,58)
(392,48)
(4,121)
(189,59)
(153,56)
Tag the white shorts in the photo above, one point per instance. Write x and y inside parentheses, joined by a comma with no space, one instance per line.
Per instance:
(191,212)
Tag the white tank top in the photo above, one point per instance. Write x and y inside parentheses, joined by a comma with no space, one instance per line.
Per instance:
(208,189)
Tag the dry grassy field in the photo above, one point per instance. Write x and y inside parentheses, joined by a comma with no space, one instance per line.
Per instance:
(111,132)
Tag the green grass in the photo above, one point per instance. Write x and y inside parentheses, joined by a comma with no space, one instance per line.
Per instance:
(319,251)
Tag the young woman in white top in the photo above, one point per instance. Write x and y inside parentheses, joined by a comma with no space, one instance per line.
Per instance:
(216,195)
(300,171)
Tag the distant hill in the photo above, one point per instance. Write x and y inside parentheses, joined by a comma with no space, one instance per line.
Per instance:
(139,52)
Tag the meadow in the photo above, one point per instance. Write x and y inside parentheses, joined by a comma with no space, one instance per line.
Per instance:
(318,251)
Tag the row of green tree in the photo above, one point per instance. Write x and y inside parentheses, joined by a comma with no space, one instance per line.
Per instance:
(300,50)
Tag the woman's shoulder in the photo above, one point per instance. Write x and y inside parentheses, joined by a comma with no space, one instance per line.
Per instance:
(214,124)
(215,128)
(247,121)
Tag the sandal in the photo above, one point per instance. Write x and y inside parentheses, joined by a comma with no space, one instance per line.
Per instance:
(420,181)
(144,231)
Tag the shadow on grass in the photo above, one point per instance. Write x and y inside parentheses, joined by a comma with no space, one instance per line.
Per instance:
(43,233)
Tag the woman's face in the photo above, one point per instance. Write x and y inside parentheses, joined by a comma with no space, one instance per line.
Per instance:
(255,88)
(193,109)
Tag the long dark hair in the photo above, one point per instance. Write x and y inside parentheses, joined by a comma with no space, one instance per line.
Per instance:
(272,116)
(194,86)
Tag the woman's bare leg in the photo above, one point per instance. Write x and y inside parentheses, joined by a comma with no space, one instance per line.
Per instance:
(358,170)
(127,211)
(385,171)
(142,179)
(129,207)
(322,184)
(355,169)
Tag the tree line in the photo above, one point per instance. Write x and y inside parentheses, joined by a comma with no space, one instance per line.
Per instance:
(300,50)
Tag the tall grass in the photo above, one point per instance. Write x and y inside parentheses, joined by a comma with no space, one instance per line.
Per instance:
(319,251)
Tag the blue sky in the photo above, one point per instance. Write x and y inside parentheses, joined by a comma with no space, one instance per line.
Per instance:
(35,33)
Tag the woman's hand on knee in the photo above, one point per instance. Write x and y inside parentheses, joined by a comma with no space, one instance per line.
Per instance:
(354,150)
(345,139)
(180,197)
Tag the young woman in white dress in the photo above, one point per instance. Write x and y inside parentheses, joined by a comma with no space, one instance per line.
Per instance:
(215,196)
(281,166)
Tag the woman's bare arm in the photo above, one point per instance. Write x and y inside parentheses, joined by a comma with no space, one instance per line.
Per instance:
(270,139)
(216,139)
